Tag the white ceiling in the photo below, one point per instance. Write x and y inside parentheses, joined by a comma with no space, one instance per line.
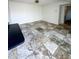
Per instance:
(42,2)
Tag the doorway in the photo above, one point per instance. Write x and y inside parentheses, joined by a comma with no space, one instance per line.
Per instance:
(65,16)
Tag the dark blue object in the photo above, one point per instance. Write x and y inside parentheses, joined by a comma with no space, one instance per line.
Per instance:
(15,36)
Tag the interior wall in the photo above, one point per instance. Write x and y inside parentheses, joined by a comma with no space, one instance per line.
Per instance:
(62,13)
(52,12)
(24,13)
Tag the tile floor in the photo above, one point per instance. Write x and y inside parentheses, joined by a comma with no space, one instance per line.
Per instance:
(43,40)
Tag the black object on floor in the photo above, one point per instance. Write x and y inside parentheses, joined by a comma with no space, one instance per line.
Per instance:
(15,36)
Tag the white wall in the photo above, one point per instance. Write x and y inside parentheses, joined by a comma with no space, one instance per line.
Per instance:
(52,12)
(24,13)
(62,13)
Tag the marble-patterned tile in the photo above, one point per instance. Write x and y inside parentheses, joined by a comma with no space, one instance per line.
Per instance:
(51,46)
(37,35)
(12,54)
(61,54)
